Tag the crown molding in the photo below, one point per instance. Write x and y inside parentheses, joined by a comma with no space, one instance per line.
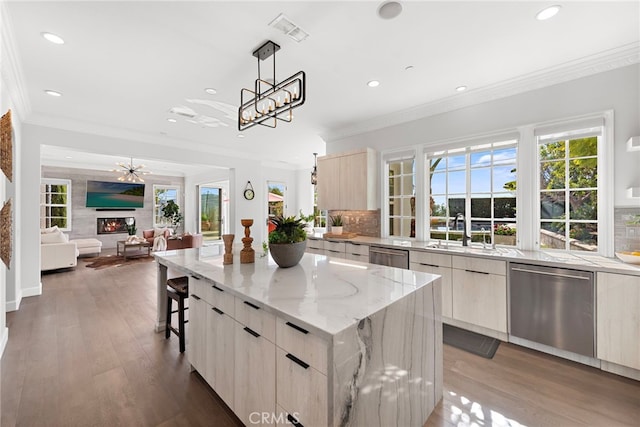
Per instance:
(622,56)
(11,70)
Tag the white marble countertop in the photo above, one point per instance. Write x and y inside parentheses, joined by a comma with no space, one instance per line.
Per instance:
(326,294)
(579,260)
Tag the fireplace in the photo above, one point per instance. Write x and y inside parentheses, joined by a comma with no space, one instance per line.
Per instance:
(112,225)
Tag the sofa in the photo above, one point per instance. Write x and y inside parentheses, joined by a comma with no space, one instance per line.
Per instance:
(149,235)
(56,251)
(184,242)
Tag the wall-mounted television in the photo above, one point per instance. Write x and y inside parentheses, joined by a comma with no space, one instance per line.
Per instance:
(114,195)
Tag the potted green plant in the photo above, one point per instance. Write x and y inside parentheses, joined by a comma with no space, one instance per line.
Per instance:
(205,224)
(504,235)
(171,212)
(288,240)
(336,224)
(308,221)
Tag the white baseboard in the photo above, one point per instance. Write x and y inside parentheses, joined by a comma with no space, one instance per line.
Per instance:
(3,341)
(33,291)
(14,305)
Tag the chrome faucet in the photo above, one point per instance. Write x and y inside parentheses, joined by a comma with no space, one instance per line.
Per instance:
(465,238)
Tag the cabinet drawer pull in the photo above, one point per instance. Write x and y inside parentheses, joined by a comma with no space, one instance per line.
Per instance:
(195,277)
(194,296)
(217,310)
(294,421)
(428,265)
(252,305)
(475,271)
(296,360)
(217,288)
(252,332)
(297,328)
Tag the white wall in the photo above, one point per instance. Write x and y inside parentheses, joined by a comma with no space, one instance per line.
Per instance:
(618,89)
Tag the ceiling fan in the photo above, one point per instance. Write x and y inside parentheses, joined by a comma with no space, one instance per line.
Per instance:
(130,172)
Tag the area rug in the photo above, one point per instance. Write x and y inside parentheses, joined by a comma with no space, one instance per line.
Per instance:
(470,341)
(115,261)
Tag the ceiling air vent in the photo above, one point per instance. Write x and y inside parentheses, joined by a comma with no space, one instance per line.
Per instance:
(284,24)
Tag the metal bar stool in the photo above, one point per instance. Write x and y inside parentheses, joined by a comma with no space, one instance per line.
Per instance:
(178,290)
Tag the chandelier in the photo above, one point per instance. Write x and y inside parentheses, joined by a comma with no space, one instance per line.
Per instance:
(314,172)
(270,100)
(130,173)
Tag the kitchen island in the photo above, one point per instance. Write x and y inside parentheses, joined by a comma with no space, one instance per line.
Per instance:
(327,342)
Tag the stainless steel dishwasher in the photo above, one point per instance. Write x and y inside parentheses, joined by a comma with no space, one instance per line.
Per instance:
(389,257)
(553,306)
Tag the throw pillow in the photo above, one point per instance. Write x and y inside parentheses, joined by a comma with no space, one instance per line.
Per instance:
(49,230)
(55,237)
(159,232)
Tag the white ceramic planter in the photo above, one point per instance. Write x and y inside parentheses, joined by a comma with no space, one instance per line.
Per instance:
(336,230)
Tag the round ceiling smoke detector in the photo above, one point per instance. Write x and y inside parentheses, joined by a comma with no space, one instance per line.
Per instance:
(389,9)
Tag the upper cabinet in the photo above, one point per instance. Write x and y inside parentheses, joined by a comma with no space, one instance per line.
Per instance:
(348,181)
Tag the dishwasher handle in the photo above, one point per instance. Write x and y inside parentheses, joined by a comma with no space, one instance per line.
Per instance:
(568,276)
(390,252)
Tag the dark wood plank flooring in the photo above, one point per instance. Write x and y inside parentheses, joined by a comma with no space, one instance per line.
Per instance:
(84,353)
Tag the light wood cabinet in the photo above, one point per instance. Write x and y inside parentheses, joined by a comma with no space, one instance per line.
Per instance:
(254,375)
(435,263)
(220,354)
(301,373)
(301,389)
(479,292)
(618,321)
(348,181)
(196,332)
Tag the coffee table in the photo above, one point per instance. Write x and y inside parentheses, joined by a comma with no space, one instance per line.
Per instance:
(122,247)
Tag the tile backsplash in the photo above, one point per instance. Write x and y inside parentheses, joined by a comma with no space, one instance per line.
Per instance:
(364,223)
(627,229)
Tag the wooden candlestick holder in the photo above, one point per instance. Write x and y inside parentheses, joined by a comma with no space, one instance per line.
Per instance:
(228,248)
(247,254)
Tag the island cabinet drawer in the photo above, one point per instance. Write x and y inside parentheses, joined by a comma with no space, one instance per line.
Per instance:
(479,265)
(430,259)
(198,287)
(219,298)
(356,249)
(301,390)
(296,339)
(334,246)
(357,257)
(256,319)
(315,244)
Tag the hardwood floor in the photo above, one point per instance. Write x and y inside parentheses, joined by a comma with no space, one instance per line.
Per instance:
(84,353)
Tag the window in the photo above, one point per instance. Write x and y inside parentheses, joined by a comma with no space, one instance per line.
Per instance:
(401,197)
(568,166)
(161,195)
(478,182)
(55,203)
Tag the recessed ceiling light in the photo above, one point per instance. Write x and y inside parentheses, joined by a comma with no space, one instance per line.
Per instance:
(53,38)
(68,157)
(389,9)
(373,83)
(240,135)
(461,88)
(211,91)
(548,12)
(408,67)
(52,92)
(171,120)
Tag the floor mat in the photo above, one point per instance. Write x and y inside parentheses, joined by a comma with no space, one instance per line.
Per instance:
(470,341)
(114,261)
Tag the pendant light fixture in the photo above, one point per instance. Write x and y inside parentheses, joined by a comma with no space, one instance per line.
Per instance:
(130,173)
(270,100)
(314,172)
